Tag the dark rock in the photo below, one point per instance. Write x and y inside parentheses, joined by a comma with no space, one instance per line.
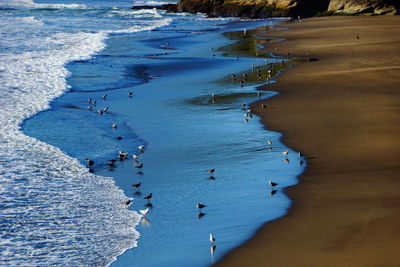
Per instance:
(167,7)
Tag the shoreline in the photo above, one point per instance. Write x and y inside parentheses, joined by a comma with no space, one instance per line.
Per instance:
(340,116)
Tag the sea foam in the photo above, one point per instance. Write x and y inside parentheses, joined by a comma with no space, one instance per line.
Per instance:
(54,212)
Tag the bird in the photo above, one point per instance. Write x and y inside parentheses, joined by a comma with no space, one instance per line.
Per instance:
(148,197)
(100,112)
(262,105)
(200,206)
(286,160)
(139,166)
(128,202)
(269,142)
(285,152)
(272,184)
(90,108)
(246,120)
(130,93)
(144,212)
(141,147)
(89,162)
(104,97)
(301,155)
(137,185)
(212,238)
(211,171)
(114,126)
(94,103)
(89,101)
(135,156)
(105,109)
(122,155)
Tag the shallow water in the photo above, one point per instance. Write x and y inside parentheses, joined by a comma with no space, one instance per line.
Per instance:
(55,211)
(185,134)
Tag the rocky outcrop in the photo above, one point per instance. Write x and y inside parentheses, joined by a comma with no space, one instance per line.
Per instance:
(293,8)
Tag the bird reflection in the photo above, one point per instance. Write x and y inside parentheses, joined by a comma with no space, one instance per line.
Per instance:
(137,193)
(145,221)
(272,192)
(212,251)
(139,172)
(286,160)
(211,178)
(149,205)
(201,215)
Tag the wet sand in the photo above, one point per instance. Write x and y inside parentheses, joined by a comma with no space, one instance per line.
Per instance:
(342,112)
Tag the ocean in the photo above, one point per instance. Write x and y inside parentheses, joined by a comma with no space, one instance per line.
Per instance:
(155,74)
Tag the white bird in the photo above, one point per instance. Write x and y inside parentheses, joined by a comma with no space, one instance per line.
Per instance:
(285,152)
(114,126)
(135,156)
(105,109)
(272,183)
(144,212)
(141,147)
(269,142)
(104,97)
(212,238)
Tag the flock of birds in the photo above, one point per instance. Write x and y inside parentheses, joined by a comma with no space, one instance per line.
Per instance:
(121,156)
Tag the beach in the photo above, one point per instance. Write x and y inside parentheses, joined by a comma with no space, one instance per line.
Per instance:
(341,110)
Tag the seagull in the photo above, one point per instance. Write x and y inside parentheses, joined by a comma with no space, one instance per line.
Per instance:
(135,156)
(200,206)
(285,152)
(105,109)
(114,126)
(148,197)
(286,160)
(272,184)
(122,155)
(94,103)
(130,93)
(136,185)
(144,212)
(211,171)
(269,142)
(90,108)
(301,155)
(100,112)
(246,120)
(141,147)
(89,101)
(89,162)
(212,238)
(104,97)
(262,106)
(128,202)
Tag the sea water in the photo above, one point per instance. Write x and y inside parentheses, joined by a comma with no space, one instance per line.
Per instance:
(55,55)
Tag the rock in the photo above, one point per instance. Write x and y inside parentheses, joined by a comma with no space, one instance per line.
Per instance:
(293,8)
(167,7)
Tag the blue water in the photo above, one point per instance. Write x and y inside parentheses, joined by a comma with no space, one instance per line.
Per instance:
(54,57)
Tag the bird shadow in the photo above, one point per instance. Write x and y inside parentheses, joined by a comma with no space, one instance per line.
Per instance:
(137,193)
(211,178)
(201,215)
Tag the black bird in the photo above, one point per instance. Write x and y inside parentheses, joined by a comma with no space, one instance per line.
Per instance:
(211,171)
(148,197)
(136,185)
(89,162)
(128,202)
(200,206)
(130,93)
(104,97)
(272,183)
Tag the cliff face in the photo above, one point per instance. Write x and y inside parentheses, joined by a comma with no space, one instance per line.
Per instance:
(294,8)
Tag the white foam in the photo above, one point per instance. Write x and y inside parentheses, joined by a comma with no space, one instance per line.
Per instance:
(139,28)
(54,212)
(130,13)
(31,4)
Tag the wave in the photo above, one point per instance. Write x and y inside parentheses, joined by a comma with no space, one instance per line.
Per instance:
(31,4)
(54,212)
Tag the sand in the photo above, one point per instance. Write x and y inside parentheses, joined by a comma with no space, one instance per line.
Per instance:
(342,112)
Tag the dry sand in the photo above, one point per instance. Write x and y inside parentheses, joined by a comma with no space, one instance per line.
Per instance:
(342,112)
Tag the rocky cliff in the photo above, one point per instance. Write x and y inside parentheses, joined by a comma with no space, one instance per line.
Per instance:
(293,8)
